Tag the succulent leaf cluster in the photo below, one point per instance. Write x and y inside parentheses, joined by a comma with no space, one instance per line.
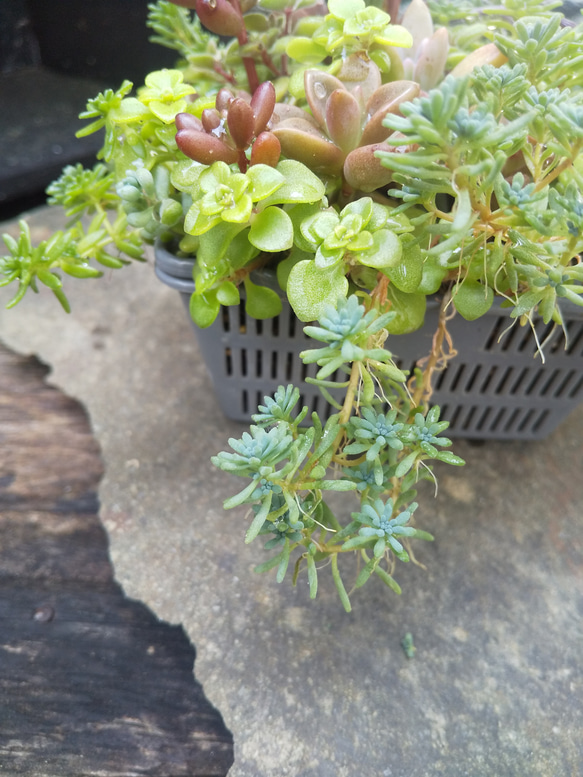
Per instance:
(364,449)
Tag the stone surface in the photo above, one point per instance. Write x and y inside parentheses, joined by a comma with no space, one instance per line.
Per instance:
(308,691)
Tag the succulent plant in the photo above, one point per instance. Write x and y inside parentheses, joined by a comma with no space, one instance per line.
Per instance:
(370,162)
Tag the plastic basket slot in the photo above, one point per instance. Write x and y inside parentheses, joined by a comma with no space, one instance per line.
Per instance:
(522,375)
(455,414)
(232,323)
(508,337)
(525,421)
(273,365)
(457,376)
(532,386)
(561,390)
(243,361)
(225,319)
(498,327)
(291,326)
(559,339)
(242,322)
(574,337)
(258,326)
(512,420)
(539,421)
(244,401)
(487,382)
(289,366)
(481,421)
(472,379)
(547,387)
(556,342)
(466,423)
(275,326)
(575,391)
(497,420)
(438,380)
(259,363)
(228,362)
(315,403)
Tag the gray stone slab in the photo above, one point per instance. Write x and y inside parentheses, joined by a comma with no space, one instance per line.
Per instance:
(308,691)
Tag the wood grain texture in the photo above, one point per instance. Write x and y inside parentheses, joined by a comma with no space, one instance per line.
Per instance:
(91,683)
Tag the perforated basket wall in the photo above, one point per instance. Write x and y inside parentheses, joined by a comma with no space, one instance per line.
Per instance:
(497,387)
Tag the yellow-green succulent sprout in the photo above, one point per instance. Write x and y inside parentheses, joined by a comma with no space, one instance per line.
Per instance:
(348,28)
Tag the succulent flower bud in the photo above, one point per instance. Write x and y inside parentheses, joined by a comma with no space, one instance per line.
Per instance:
(219,17)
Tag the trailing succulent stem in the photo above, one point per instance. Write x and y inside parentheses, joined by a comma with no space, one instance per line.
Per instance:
(377,446)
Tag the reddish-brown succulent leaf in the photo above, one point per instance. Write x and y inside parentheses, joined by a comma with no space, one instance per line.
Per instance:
(395,91)
(387,99)
(219,17)
(343,119)
(223,99)
(187,121)
(319,86)
(284,112)
(266,150)
(303,142)
(364,171)
(360,76)
(488,54)
(303,123)
(241,122)
(211,119)
(431,59)
(263,103)
(204,148)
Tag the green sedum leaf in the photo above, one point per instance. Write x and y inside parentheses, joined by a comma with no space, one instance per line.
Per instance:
(204,308)
(261,302)
(272,230)
(310,288)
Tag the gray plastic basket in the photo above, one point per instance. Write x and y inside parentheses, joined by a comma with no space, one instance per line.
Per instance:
(496,387)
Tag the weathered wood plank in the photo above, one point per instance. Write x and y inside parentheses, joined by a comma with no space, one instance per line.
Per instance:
(48,457)
(91,683)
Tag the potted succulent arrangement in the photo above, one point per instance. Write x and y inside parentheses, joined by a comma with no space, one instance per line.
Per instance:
(387,184)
